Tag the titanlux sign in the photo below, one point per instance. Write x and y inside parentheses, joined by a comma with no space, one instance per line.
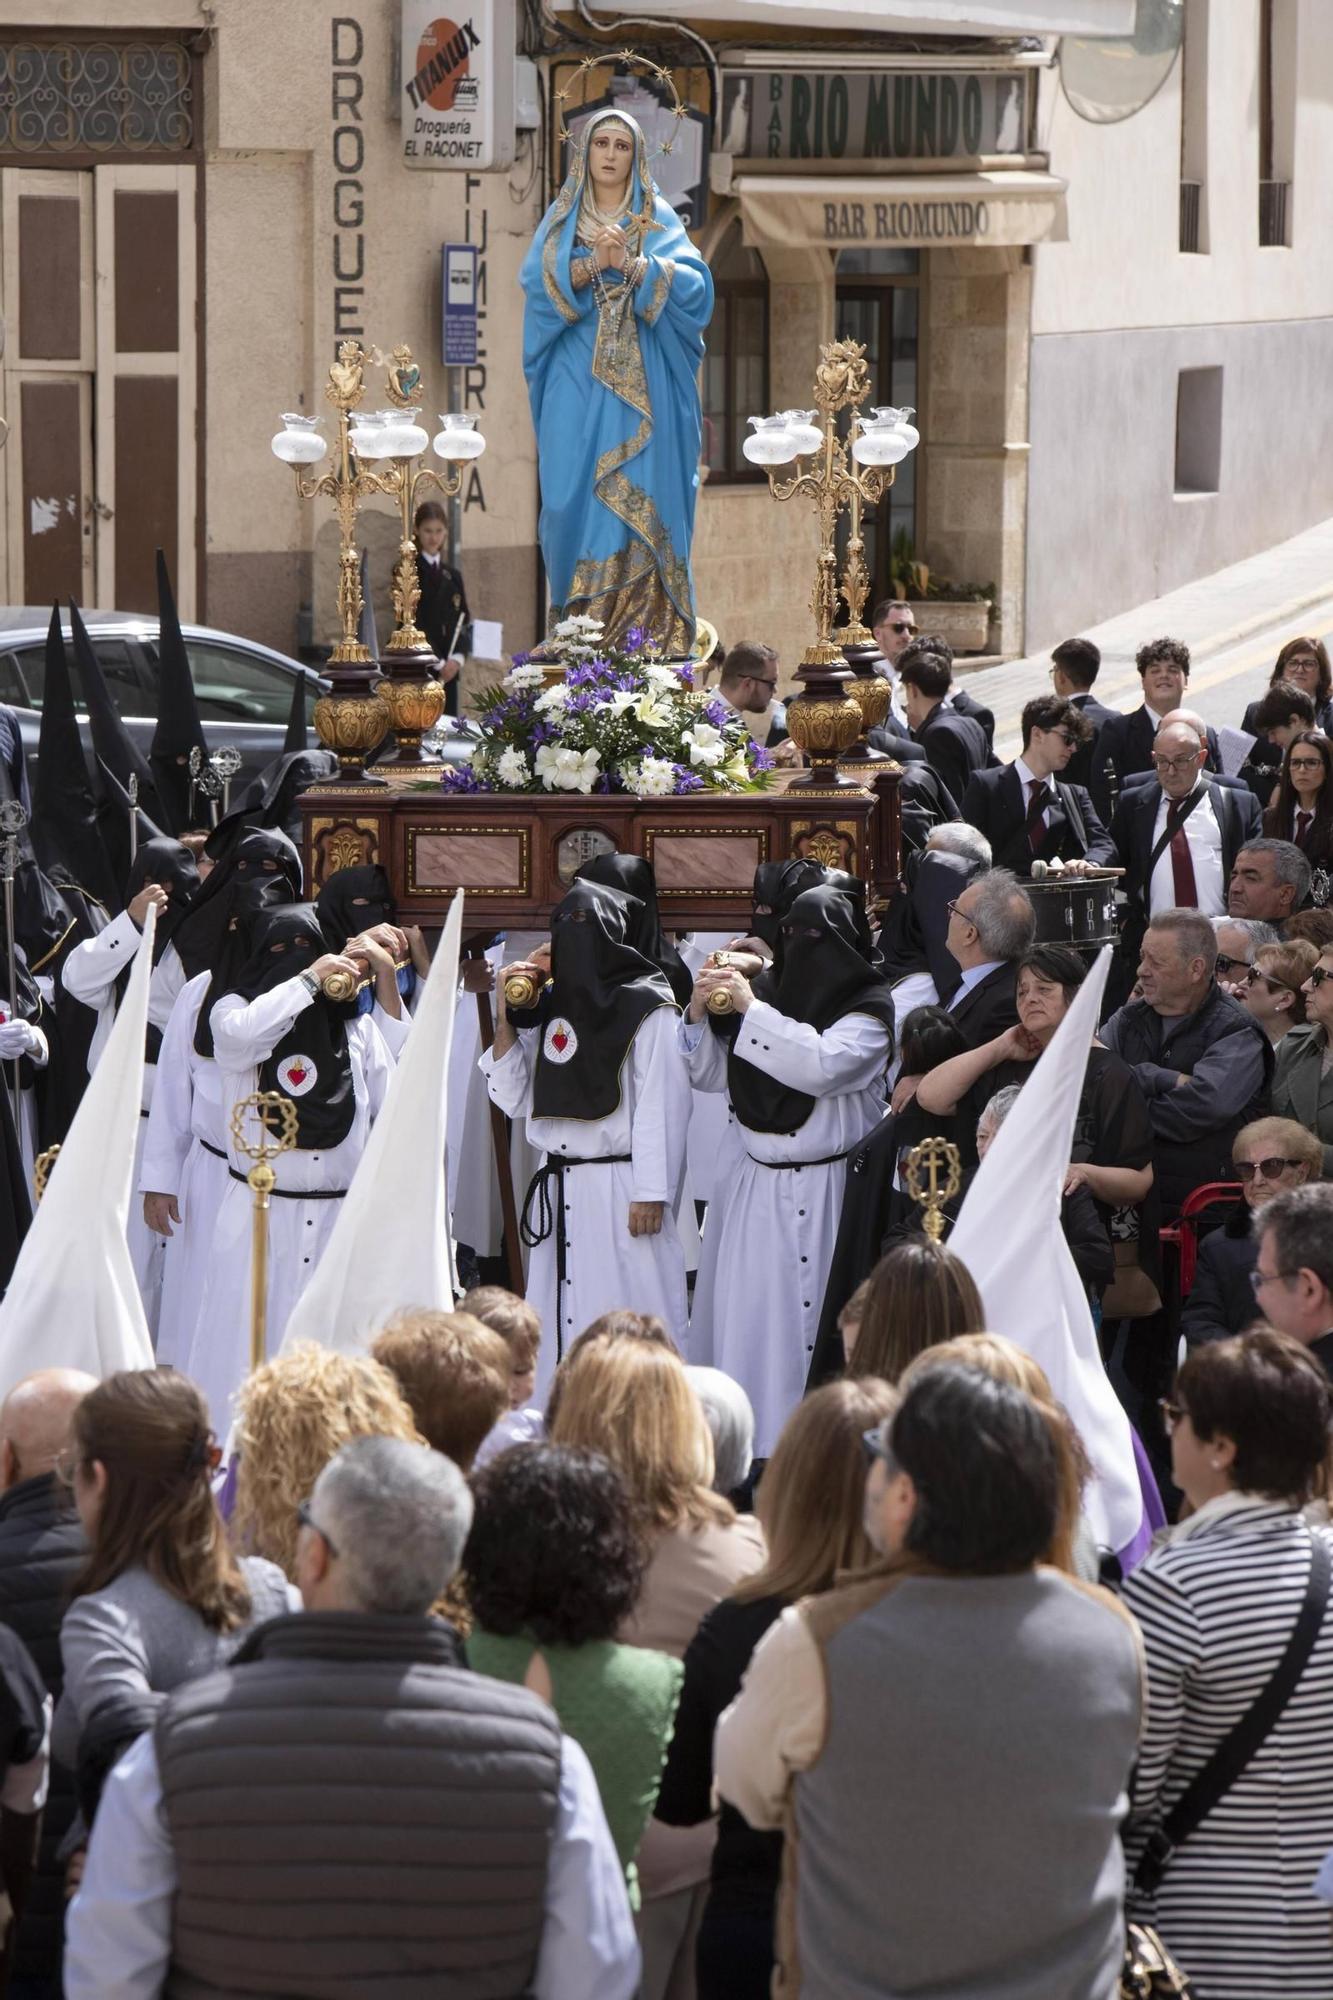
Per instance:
(458,84)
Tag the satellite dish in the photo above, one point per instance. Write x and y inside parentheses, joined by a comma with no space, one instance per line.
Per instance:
(1108,78)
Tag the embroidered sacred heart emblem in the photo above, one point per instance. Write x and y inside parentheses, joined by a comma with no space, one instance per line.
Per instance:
(561,1042)
(297,1075)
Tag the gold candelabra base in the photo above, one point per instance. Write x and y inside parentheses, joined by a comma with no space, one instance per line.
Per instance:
(414,697)
(352,721)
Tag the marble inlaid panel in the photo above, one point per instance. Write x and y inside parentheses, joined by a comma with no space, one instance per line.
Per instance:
(493,859)
(721,862)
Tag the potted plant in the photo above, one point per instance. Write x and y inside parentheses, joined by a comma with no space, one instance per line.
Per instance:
(958,612)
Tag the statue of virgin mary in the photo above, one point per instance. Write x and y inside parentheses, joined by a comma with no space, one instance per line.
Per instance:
(617,299)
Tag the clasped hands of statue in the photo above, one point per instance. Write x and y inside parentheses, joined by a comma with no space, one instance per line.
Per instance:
(610,251)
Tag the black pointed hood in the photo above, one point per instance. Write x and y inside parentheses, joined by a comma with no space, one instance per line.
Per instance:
(298,734)
(179,729)
(602,991)
(66,833)
(115,749)
(311,1064)
(823,971)
(635,876)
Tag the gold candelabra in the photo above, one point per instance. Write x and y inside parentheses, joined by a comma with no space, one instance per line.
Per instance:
(402,691)
(836,706)
(276,1118)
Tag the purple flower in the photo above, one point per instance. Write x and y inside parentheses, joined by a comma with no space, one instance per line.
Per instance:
(719,713)
(462,778)
(686,779)
(761,759)
(635,639)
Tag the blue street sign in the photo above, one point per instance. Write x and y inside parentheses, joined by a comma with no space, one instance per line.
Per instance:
(458,276)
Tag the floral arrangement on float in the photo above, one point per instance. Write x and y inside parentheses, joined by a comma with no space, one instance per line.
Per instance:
(618,719)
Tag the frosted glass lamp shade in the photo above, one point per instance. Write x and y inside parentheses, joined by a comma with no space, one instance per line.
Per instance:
(772,442)
(299,442)
(457,438)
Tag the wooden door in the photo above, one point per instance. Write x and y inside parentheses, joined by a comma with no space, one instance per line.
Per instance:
(146,382)
(46,385)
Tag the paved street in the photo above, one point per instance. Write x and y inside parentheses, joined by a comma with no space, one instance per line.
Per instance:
(1233,622)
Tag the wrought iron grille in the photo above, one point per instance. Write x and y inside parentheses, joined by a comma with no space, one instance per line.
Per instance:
(1273,214)
(95,97)
(1189,215)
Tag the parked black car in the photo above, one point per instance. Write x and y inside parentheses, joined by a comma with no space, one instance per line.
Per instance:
(244,690)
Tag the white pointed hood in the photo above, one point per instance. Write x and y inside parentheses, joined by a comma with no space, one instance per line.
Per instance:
(390,1247)
(73,1301)
(1009,1235)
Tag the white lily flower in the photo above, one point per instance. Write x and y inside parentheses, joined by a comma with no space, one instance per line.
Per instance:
(707,745)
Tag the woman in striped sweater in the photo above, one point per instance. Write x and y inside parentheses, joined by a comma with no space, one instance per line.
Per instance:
(1217,1600)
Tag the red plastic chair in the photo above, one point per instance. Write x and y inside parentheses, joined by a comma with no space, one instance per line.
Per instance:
(1184,1232)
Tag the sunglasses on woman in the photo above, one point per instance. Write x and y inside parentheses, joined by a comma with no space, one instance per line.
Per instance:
(1271,1170)
(1253,975)
(1320,974)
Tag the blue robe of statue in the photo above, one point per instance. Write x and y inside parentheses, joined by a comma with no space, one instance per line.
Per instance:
(612,371)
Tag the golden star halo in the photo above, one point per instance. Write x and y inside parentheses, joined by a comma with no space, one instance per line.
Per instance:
(632,61)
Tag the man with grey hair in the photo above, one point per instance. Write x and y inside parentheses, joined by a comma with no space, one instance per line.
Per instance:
(991,925)
(1270,879)
(1238,939)
(346,1808)
(1203,1063)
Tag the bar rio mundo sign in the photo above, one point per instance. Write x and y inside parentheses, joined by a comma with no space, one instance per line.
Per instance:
(786,115)
(457,93)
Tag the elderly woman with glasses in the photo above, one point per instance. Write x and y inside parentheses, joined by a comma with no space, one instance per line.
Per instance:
(1270,988)
(1217,1601)
(1303,1080)
(1270,1156)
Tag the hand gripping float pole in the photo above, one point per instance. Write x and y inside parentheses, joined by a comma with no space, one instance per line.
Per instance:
(275,1116)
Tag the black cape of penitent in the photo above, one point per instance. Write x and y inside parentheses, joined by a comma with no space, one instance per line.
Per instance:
(179,730)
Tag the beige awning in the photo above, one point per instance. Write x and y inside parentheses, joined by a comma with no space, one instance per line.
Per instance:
(917,212)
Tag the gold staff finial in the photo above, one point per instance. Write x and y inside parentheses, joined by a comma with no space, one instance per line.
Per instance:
(932,1176)
(41,1170)
(275,1116)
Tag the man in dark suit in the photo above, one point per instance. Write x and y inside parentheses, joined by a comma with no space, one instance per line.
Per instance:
(895,630)
(1026,812)
(990,926)
(1177,839)
(1126,741)
(955,745)
(1075,665)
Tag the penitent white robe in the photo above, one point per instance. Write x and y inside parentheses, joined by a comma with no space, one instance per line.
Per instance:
(184,1149)
(245,1033)
(780,1216)
(90,973)
(605,1267)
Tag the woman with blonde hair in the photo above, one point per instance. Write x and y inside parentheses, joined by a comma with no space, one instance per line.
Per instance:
(1073,1548)
(1269,1156)
(161,1598)
(916,1296)
(295,1413)
(810,1502)
(631,1400)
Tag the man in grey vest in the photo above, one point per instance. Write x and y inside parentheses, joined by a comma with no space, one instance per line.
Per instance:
(345,1809)
(947,1739)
